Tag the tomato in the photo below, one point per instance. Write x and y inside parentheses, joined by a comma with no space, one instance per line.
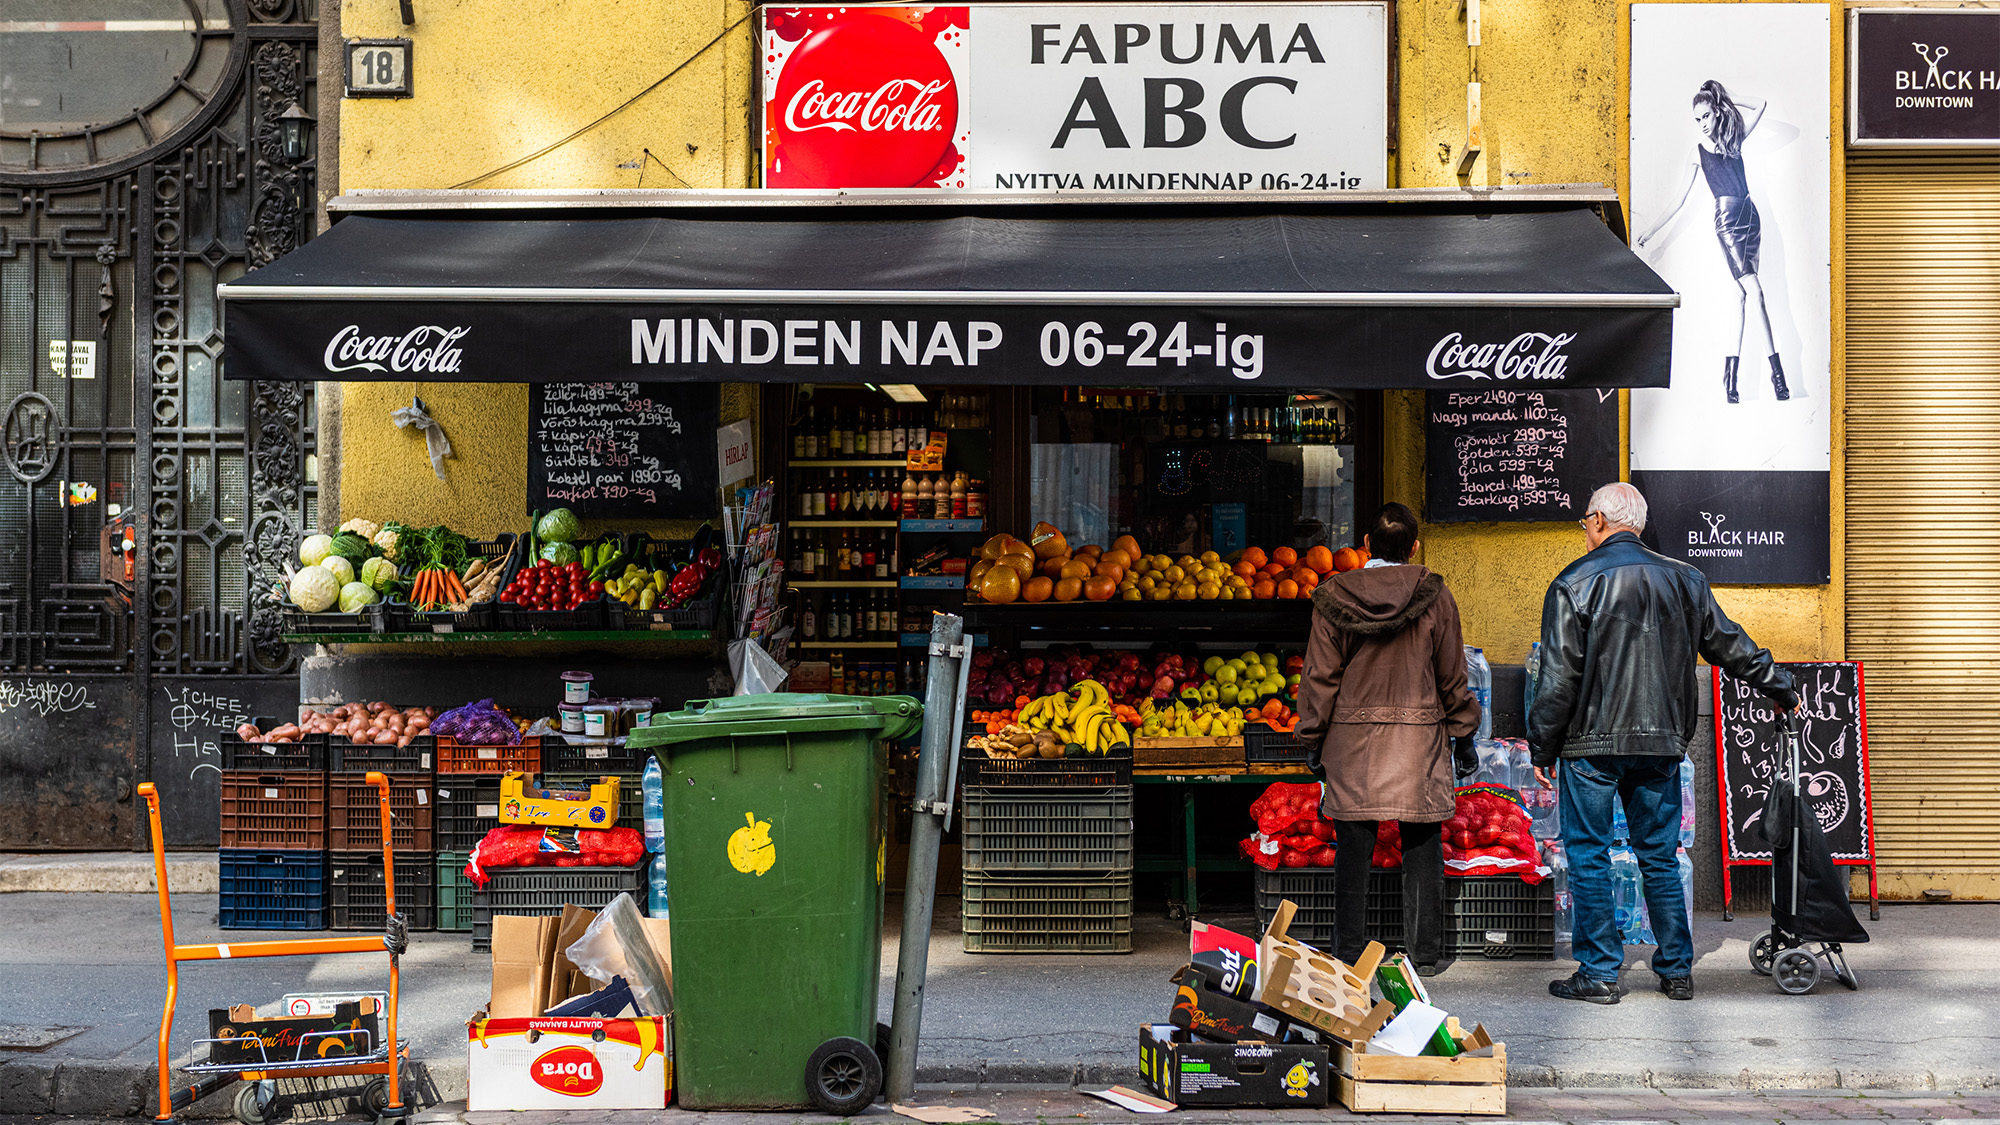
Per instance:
(597,587)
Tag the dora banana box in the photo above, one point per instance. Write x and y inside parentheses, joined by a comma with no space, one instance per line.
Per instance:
(569,1063)
(522,803)
(1189,1072)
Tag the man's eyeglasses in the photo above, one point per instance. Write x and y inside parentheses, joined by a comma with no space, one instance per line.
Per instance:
(1584,523)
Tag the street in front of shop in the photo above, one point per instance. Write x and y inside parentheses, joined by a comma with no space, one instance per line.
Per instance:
(88,964)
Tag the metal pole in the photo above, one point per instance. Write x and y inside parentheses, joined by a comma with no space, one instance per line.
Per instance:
(944,700)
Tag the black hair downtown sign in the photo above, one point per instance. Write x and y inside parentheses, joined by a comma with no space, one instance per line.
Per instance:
(1924,77)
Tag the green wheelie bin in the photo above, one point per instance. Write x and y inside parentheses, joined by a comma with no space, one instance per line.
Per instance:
(774,855)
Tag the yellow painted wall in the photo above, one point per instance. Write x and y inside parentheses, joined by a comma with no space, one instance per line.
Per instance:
(1549,89)
(496,82)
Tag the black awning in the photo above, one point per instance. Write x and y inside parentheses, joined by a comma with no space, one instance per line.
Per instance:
(1527,300)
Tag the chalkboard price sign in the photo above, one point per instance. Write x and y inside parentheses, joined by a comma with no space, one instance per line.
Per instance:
(623,449)
(1833,761)
(1503,455)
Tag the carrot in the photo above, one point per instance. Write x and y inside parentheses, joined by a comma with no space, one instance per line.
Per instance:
(457,587)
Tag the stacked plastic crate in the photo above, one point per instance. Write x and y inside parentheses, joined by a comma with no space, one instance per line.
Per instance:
(273,857)
(1048,854)
(468,807)
(533,891)
(356,892)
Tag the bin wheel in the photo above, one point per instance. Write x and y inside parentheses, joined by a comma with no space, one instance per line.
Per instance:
(843,1076)
(253,1102)
(1763,952)
(882,1043)
(1796,971)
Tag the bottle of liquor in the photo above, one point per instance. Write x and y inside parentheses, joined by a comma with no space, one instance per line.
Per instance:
(899,432)
(822,494)
(866,549)
(846,493)
(883,550)
(809,435)
(799,437)
(803,555)
(854,558)
(808,620)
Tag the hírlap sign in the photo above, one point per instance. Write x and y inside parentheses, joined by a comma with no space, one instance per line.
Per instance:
(1099,98)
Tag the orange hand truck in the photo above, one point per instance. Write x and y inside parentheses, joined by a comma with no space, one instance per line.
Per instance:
(383,1100)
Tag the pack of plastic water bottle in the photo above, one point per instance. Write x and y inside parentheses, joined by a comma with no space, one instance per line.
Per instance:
(653,812)
(1557,859)
(1479,678)
(1628,898)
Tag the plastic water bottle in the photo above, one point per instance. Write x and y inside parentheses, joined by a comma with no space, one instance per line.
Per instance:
(1520,766)
(1479,678)
(1493,769)
(1687,883)
(656,887)
(1687,804)
(1558,863)
(1533,666)
(1628,900)
(1620,833)
(653,806)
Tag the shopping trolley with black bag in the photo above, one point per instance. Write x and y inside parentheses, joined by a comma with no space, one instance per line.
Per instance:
(1810,915)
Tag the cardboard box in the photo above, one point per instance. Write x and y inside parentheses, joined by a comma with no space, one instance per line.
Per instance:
(521,803)
(811,675)
(1188,1072)
(352,1030)
(1200,1006)
(552,1063)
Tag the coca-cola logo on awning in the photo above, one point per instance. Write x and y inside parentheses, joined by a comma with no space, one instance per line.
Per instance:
(868,101)
(425,350)
(1530,355)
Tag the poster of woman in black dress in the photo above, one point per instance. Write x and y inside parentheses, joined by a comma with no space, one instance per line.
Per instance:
(1724,122)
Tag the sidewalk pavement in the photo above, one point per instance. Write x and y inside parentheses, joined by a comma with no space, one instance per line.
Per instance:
(1923,1020)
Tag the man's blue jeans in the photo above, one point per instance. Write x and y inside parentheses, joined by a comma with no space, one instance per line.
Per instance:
(1651,790)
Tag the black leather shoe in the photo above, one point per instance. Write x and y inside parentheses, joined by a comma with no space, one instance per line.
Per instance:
(1431,968)
(1677,988)
(1580,987)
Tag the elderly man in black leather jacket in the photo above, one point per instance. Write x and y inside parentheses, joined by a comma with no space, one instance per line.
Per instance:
(1617,703)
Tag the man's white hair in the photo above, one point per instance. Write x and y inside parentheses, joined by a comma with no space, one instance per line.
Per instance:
(1620,504)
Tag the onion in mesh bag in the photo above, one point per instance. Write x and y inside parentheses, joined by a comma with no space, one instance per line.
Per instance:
(477,724)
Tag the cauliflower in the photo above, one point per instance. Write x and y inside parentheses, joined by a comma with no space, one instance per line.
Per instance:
(366,529)
(387,541)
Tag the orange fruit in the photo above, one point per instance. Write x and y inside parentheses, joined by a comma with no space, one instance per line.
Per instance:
(1077,569)
(1099,589)
(1264,588)
(1128,545)
(1285,556)
(978,572)
(1053,567)
(1307,578)
(1019,562)
(1274,569)
(1255,557)
(1048,541)
(1089,549)
(1320,559)
(1001,585)
(1244,569)
(1068,589)
(1346,559)
(1037,589)
(1110,570)
(1114,556)
(1288,589)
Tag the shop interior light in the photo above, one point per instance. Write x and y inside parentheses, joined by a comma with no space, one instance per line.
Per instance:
(904,392)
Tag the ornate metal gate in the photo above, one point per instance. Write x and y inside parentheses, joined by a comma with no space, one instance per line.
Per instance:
(145,503)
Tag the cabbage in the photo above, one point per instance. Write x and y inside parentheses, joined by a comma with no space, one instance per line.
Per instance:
(314,588)
(340,568)
(559,526)
(354,595)
(378,573)
(561,554)
(314,548)
(351,547)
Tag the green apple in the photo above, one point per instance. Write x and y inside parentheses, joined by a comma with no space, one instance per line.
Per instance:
(1210,692)
(1209,666)
(1293,680)
(1227,674)
(1250,656)
(1227,694)
(1270,659)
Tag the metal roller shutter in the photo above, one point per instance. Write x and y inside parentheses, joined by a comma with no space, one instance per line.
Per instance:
(1923,509)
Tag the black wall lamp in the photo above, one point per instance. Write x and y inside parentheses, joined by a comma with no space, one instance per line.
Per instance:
(295,124)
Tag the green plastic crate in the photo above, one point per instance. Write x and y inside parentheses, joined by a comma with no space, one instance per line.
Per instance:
(454,893)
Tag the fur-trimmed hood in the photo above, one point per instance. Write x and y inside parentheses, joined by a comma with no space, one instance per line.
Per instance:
(1378,601)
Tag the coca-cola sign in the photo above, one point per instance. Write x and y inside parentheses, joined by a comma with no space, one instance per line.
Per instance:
(1076,97)
(427,349)
(865,101)
(1530,355)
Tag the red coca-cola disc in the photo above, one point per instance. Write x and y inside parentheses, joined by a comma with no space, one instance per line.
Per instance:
(868,102)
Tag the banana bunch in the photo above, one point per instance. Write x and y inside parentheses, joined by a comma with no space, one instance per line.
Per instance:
(1080,717)
(638,586)
(1178,720)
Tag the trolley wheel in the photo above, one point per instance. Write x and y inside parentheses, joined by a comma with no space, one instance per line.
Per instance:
(1796,971)
(375,1098)
(843,1076)
(1763,952)
(253,1104)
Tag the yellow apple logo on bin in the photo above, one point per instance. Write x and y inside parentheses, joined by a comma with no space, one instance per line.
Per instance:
(750,848)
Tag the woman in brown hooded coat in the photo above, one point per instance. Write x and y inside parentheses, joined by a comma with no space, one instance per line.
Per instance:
(1384,695)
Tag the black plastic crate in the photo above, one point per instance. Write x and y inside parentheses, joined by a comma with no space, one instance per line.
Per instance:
(559,757)
(590,615)
(263,890)
(703,611)
(468,807)
(402,617)
(1077,831)
(1497,917)
(357,896)
(1046,915)
(370,619)
(1112,768)
(541,891)
(347,756)
(631,794)
(307,755)
(454,893)
(1267,747)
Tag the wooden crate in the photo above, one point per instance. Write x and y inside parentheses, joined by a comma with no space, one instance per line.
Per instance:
(1376,1083)
(1316,988)
(1214,750)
